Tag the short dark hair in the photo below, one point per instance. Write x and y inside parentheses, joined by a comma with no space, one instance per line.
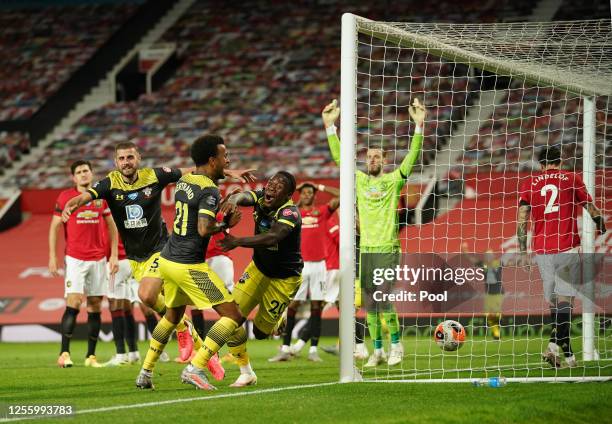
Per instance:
(78,163)
(550,156)
(204,148)
(312,186)
(124,145)
(290,179)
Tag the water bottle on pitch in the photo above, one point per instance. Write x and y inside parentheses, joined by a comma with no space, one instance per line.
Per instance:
(490,382)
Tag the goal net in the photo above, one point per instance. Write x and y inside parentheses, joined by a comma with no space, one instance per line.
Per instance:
(495,96)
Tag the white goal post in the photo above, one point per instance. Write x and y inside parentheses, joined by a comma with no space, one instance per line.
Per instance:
(571,58)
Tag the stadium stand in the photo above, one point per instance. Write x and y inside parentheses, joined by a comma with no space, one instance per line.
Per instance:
(257,75)
(525,121)
(586,9)
(12,146)
(46,45)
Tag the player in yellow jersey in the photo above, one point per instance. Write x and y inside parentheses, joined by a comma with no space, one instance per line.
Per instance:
(134,198)
(188,280)
(271,280)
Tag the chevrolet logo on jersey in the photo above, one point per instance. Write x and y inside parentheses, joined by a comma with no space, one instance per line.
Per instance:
(310,222)
(87,215)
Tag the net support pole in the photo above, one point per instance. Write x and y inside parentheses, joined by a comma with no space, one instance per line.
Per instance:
(588,230)
(348,137)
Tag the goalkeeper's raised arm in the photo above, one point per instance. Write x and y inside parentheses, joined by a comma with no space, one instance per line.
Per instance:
(330,115)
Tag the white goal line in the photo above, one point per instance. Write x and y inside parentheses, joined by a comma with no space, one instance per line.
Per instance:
(182,400)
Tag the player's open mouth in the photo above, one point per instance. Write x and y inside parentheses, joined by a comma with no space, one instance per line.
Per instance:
(268,198)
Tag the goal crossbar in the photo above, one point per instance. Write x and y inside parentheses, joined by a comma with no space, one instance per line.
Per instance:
(502,58)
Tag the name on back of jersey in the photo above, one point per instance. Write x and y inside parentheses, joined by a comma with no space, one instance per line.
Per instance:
(182,186)
(543,177)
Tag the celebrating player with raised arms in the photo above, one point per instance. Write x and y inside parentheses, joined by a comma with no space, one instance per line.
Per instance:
(274,276)
(85,259)
(553,198)
(378,195)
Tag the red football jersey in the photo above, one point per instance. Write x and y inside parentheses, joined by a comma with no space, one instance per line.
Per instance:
(212,250)
(314,227)
(332,261)
(555,197)
(85,231)
(120,248)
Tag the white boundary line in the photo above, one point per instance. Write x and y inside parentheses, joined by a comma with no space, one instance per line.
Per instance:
(172,401)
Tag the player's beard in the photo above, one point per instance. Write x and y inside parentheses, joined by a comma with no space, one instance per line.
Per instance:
(375,172)
(128,172)
(221,174)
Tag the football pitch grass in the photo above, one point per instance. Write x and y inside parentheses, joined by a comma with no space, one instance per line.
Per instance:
(300,391)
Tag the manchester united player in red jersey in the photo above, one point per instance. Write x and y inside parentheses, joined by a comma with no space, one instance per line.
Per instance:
(313,244)
(553,198)
(85,258)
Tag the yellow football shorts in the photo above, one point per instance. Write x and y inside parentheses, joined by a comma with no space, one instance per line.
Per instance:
(358,302)
(192,284)
(148,268)
(271,294)
(493,303)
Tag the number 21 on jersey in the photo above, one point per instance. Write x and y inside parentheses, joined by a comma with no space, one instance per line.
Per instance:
(180,220)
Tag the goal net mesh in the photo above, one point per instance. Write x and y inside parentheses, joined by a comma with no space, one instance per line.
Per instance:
(495,95)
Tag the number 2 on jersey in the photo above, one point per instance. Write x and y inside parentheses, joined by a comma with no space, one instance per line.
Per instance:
(180,221)
(554,192)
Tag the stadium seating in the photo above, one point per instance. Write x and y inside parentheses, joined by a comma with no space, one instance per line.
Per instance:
(257,75)
(12,146)
(526,120)
(46,45)
(584,9)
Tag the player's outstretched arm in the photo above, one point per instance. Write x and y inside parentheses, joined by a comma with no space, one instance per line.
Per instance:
(334,203)
(596,216)
(208,225)
(187,170)
(56,223)
(276,234)
(417,114)
(231,203)
(244,175)
(75,203)
(330,115)
(521,231)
